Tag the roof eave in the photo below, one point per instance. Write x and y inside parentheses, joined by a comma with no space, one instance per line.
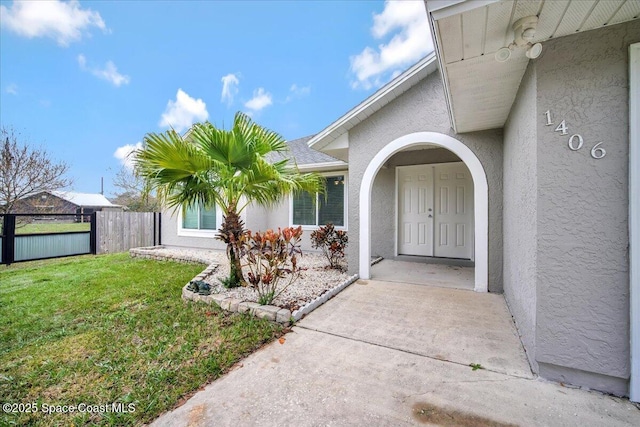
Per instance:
(321,139)
(326,166)
(445,80)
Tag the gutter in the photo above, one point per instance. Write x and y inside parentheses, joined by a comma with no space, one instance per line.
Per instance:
(326,166)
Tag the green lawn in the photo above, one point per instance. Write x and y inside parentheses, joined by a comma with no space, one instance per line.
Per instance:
(53,227)
(103,329)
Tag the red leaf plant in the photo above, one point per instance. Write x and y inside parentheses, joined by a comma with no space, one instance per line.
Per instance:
(271,259)
(333,244)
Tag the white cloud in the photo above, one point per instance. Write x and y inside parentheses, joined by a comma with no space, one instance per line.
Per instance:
(296,91)
(230,84)
(65,22)
(123,154)
(109,72)
(260,100)
(183,112)
(407,22)
(82,61)
(12,89)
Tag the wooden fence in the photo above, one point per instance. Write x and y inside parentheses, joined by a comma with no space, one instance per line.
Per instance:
(121,231)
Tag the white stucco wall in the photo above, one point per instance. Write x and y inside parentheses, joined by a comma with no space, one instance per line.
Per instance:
(422,108)
(582,333)
(520,212)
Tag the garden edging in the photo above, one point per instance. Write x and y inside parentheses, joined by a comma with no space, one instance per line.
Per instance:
(312,305)
(270,312)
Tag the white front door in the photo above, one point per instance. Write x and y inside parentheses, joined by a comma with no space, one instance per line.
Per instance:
(435,212)
(415,210)
(454,211)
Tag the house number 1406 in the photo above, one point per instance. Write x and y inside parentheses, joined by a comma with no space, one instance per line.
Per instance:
(575,141)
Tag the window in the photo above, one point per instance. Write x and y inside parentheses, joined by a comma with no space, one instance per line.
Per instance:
(327,208)
(199,218)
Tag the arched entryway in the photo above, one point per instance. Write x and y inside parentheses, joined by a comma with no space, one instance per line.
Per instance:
(481,199)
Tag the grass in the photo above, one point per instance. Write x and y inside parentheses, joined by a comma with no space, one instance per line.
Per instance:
(103,329)
(53,227)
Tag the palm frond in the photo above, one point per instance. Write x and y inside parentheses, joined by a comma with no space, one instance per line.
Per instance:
(217,166)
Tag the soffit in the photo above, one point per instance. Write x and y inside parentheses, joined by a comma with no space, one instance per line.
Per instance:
(467,34)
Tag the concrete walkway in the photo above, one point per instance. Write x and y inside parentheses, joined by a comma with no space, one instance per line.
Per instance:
(387,354)
(420,273)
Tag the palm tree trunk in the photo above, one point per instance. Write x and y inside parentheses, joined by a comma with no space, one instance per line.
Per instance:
(230,233)
(235,264)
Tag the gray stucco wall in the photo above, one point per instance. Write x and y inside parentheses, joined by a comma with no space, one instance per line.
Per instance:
(520,212)
(582,331)
(382,214)
(278,216)
(170,235)
(256,218)
(422,108)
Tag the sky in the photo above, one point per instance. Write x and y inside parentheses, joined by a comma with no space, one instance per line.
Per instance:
(87,80)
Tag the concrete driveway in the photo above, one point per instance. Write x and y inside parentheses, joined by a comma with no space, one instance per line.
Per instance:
(391,354)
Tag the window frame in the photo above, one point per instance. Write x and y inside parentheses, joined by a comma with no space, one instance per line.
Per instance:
(345,211)
(192,232)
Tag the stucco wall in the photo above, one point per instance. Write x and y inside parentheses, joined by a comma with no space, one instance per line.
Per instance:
(520,212)
(383,214)
(582,259)
(170,235)
(256,218)
(423,108)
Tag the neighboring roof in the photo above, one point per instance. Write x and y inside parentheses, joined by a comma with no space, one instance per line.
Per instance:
(375,102)
(83,199)
(467,34)
(305,155)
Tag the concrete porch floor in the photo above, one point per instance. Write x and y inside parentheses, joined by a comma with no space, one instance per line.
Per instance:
(421,273)
(383,354)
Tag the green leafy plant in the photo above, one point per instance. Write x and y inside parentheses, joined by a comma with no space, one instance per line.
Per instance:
(230,281)
(333,244)
(476,366)
(271,260)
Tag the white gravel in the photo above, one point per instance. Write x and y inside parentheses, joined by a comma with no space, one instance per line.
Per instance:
(314,281)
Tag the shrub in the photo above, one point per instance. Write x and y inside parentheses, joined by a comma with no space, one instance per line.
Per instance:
(333,244)
(271,259)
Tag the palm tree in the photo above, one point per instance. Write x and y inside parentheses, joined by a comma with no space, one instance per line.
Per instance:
(227,168)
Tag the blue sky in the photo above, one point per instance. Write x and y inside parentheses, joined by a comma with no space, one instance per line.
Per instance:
(87,80)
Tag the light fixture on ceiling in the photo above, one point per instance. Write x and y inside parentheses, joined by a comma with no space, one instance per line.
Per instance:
(503,54)
(534,50)
(524,31)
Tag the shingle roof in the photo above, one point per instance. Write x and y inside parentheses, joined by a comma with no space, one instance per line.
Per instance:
(303,154)
(83,199)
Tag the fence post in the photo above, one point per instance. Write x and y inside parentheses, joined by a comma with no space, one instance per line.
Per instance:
(94,233)
(154,229)
(9,239)
(159,229)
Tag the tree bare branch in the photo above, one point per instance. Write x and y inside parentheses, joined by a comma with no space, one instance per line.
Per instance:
(26,170)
